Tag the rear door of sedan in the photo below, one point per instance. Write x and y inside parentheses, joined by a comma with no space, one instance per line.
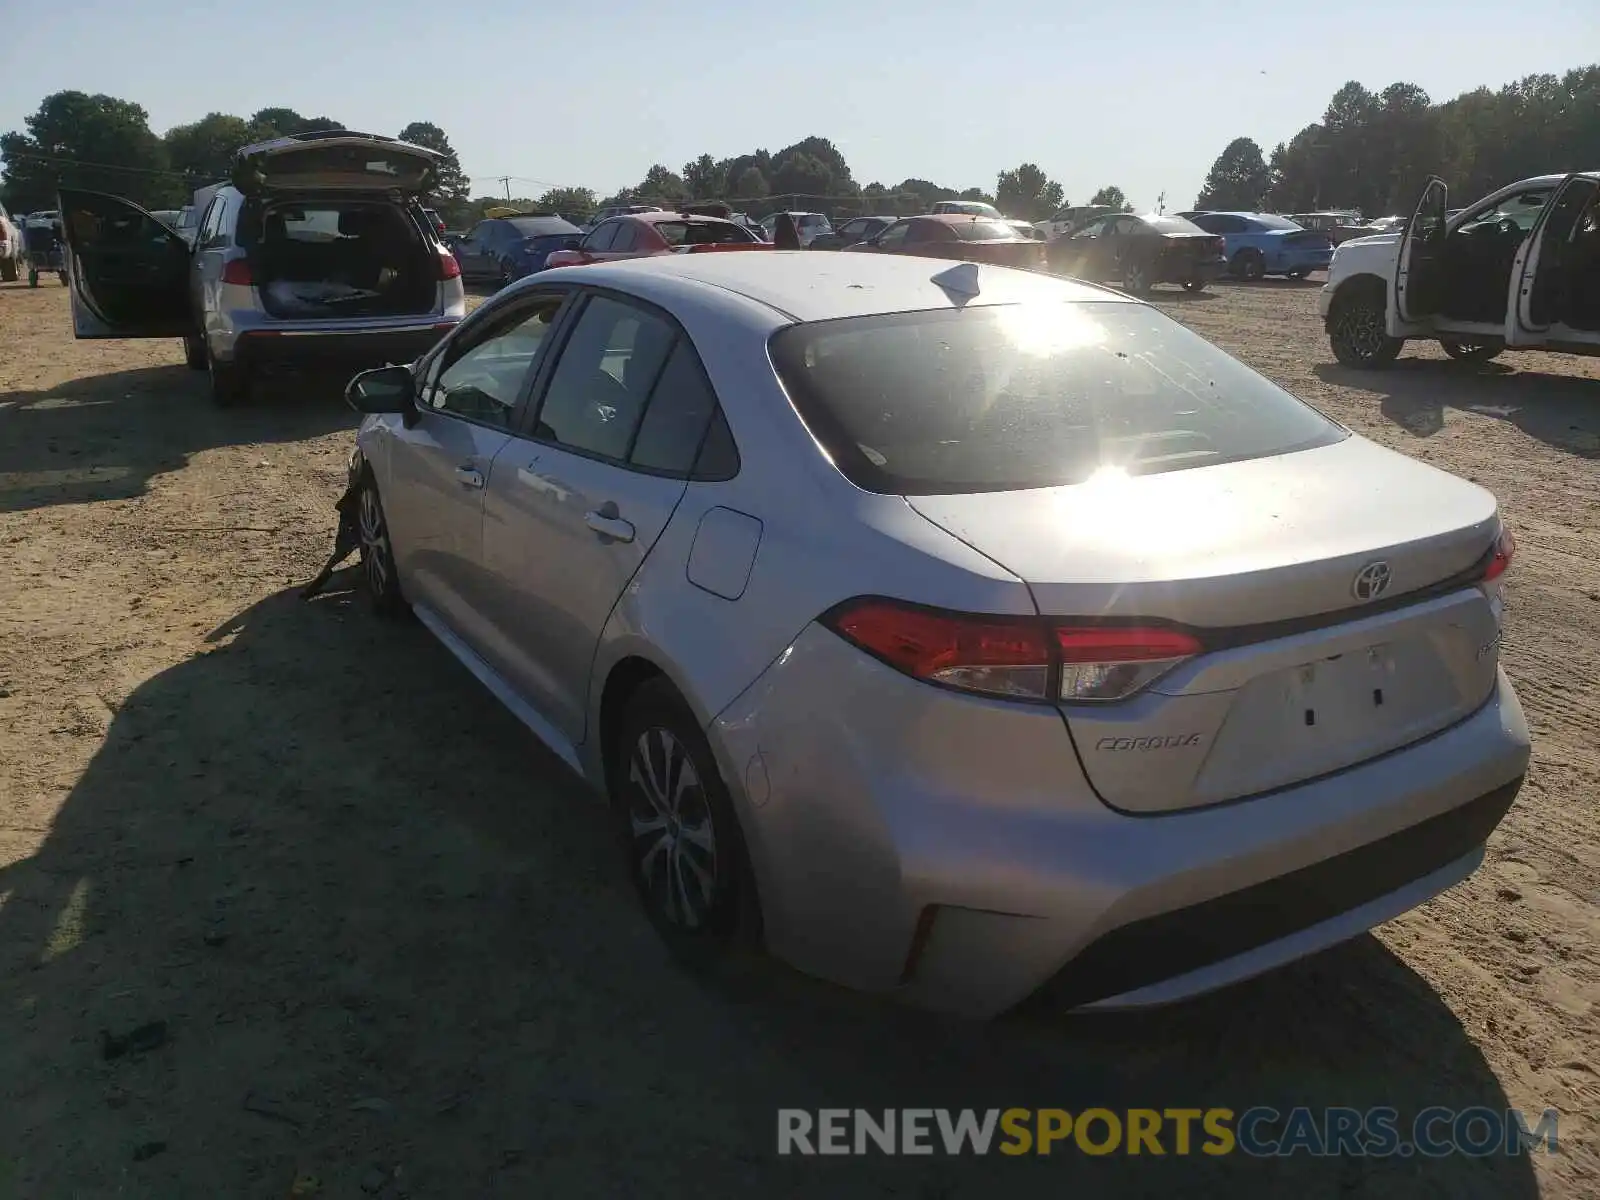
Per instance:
(582,493)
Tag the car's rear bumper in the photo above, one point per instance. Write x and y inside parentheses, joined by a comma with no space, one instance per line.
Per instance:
(912,840)
(1305,260)
(314,349)
(1181,271)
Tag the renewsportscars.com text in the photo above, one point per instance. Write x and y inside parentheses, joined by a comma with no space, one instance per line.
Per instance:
(1258,1132)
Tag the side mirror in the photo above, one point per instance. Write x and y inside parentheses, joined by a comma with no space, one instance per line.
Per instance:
(384,390)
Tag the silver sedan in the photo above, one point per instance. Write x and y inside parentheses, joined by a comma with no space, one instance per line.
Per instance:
(962,633)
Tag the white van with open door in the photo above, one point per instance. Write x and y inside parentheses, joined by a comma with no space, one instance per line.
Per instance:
(1519,269)
(315,254)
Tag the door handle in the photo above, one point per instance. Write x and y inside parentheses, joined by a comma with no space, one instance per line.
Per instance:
(607,523)
(469,477)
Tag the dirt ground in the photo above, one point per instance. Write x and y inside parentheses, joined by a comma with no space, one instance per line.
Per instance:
(391,942)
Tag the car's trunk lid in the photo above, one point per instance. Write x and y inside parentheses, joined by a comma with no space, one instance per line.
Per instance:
(335,161)
(1314,657)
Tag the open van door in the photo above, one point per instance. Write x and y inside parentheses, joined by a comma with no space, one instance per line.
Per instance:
(1539,275)
(1414,290)
(129,273)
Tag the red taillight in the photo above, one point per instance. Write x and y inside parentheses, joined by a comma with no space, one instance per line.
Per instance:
(1505,549)
(237,270)
(998,656)
(1109,662)
(1013,656)
(449,268)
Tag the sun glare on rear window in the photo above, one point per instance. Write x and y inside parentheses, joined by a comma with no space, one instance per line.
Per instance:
(1000,397)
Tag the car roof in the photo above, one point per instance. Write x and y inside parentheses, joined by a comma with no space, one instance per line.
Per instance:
(808,286)
(656,218)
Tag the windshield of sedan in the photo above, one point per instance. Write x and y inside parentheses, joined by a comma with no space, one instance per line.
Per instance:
(1007,397)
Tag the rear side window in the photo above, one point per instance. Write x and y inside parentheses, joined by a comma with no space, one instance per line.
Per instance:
(674,428)
(1007,397)
(702,233)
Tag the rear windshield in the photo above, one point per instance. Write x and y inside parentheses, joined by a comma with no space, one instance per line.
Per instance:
(702,233)
(1171,225)
(1267,221)
(984,231)
(1004,397)
(536,226)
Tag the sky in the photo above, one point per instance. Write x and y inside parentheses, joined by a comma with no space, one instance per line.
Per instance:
(1144,96)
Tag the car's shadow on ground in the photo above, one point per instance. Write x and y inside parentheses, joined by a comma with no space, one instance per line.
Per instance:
(104,437)
(1560,410)
(383,926)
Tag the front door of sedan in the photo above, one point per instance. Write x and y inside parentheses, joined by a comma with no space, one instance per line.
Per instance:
(437,471)
(129,272)
(1088,253)
(579,502)
(472,253)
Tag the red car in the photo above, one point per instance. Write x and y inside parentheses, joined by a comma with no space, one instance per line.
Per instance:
(640,235)
(957,236)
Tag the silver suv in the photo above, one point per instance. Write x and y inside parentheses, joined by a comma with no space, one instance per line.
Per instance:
(316,253)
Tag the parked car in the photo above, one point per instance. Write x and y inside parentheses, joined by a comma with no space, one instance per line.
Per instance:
(436,219)
(1069,220)
(1260,244)
(811,226)
(1518,269)
(1027,229)
(1388,224)
(650,233)
(1342,225)
(963,645)
(970,239)
(618,210)
(315,254)
(857,229)
(13,248)
(967,208)
(1141,252)
(507,248)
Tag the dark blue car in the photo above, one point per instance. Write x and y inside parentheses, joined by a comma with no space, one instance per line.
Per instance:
(507,248)
(1262,244)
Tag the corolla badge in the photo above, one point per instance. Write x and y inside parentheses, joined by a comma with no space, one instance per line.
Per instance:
(1371,581)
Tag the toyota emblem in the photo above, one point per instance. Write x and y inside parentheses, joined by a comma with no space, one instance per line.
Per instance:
(1371,581)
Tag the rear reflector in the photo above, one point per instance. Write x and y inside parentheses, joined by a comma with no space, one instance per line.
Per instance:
(237,270)
(1017,657)
(449,268)
(1505,549)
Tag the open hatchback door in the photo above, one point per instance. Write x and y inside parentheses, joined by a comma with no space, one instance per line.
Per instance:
(335,160)
(129,273)
(1413,292)
(1540,277)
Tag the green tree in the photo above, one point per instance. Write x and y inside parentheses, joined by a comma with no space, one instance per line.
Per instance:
(575,204)
(661,185)
(1027,193)
(705,177)
(96,142)
(751,184)
(1237,180)
(1111,197)
(803,177)
(204,151)
(977,194)
(451,189)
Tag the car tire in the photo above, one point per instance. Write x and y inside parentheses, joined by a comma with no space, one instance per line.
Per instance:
(379,577)
(1474,350)
(1194,285)
(684,848)
(8,270)
(1299,274)
(230,382)
(194,352)
(1136,279)
(508,274)
(1249,266)
(1356,334)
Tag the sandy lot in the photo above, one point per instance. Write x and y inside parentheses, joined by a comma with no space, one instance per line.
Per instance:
(392,945)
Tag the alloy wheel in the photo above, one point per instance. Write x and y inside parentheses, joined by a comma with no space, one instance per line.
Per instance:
(376,560)
(1360,328)
(673,839)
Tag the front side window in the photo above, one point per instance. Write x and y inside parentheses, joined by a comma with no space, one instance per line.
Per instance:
(606,371)
(485,380)
(1036,395)
(895,235)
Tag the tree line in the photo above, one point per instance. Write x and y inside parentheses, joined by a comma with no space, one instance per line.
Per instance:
(1374,151)
(103,143)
